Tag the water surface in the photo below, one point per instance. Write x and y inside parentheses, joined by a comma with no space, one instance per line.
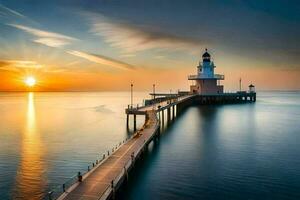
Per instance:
(46,138)
(246,151)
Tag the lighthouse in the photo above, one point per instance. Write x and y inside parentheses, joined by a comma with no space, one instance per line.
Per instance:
(206,81)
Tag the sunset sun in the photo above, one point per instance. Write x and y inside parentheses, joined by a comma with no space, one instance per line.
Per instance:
(30,81)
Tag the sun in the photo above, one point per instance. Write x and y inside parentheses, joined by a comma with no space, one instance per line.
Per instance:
(30,81)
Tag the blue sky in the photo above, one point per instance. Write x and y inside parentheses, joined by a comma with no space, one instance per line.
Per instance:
(116,36)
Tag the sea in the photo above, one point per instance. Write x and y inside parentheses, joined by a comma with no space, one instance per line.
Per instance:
(236,151)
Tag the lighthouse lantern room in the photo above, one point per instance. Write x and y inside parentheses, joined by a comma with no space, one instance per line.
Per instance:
(206,81)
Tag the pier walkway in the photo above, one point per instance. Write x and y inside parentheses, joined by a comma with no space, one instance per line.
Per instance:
(159,106)
(101,181)
(104,179)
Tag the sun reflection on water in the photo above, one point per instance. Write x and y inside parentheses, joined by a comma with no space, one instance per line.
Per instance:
(30,180)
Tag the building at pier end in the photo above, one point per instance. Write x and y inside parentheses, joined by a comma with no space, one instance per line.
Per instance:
(206,81)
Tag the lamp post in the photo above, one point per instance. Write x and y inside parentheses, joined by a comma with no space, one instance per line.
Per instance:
(153,91)
(131,92)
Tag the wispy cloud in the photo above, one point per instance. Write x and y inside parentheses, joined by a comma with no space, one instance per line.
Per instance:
(8,15)
(47,38)
(15,65)
(103,60)
(52,42)
(133,38)
(128,55)
(11,11)
(160,57)
(25,65)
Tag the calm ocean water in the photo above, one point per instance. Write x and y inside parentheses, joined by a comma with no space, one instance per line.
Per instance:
(247,151)
(46,138)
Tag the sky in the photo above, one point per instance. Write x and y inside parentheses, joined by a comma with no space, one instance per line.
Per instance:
(105,45)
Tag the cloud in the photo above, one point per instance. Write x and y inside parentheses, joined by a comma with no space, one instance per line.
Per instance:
(47,38)
(159,57)
(25,65)
(11,11)
(51,42)
(8,14)
(128,55)
(102,60)
(16,65)
(133,38)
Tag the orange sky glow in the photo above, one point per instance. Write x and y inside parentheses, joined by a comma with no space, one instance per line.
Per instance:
(98,51)
(165,79)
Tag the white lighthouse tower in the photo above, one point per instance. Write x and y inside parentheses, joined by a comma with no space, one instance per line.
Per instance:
(206,81)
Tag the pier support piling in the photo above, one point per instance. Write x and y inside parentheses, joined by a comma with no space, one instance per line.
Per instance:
(126,173)
(173,112)
(169,115)
(163,118)
(134,122)
(127,120)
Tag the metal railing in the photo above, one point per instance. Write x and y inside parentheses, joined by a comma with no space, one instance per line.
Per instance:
(151,102)
(128,165)
(58,190)
(136,106)
(202,76)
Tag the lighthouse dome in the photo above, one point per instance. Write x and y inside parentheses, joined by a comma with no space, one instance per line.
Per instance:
(206,56)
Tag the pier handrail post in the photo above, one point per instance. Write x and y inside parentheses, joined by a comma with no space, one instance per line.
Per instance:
(50,195)
(79,176)
(131,95)
(132,156)
(153,91)
(113,189)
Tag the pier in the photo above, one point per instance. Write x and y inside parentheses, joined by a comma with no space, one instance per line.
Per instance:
(104,179)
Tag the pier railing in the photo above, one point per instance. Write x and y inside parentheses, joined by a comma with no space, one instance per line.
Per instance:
(152,102)
(136,106)
(57,191)
(62,190)
(201,76)
(127,167)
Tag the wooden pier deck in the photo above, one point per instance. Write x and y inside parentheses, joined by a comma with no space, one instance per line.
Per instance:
(159,106)
(101,182)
